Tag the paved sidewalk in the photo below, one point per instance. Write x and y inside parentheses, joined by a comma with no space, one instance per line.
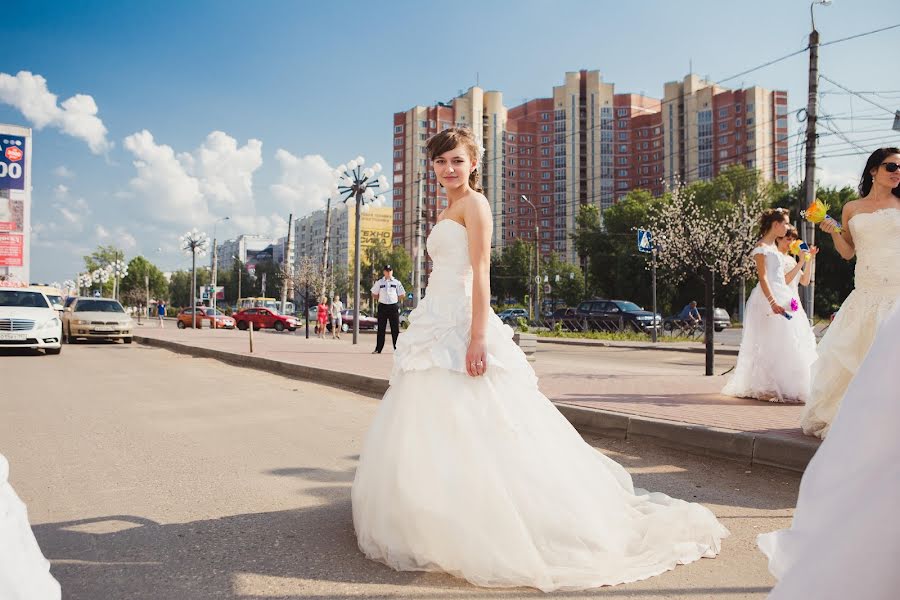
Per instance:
(620,391)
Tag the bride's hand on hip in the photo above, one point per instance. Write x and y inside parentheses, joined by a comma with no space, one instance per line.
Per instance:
(476,358)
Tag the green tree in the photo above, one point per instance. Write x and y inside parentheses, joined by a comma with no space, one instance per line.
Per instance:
(99,258)
(180,286)
(569,289)
(139,268)
(511,271)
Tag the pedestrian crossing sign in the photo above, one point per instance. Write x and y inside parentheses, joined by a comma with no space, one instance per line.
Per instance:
(644,240)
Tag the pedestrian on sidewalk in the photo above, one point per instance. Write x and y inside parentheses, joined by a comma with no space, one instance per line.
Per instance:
(322,316)
(160,312)
(388,292)
(337,321)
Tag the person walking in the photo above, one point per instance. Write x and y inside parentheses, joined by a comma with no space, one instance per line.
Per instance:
(388,292)
(337,320)
(160,312)
(322,317)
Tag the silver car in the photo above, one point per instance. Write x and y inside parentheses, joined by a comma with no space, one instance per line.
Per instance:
(97,318)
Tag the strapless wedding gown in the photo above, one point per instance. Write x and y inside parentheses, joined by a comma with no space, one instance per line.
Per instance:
(484,479)
(876,236)
(776,353)
(844,541)
(24,572)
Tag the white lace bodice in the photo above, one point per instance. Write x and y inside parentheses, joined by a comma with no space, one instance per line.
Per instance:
(876,236)
(775,270)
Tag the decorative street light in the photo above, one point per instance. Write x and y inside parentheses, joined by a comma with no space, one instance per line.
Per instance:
(537,258)
(101,276)
(69,286)
(85,281)
(119,270)
(194,242)
(353,181)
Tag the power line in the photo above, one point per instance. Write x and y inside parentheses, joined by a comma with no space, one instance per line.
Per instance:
(857,94)
(859,35)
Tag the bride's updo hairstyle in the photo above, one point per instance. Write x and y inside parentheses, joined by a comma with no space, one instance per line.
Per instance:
(873,164)
(452,138)
(769,217)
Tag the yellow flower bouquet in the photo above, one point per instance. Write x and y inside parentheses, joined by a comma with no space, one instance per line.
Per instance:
(818,212)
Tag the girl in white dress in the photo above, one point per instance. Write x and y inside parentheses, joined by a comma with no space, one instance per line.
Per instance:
(777,345)
(24,572)
(468,469)
(871,233)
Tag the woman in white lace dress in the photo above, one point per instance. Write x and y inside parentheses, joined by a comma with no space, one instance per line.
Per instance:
(468,469)
(777,345)
(871,232)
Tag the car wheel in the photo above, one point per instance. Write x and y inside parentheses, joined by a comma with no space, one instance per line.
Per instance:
(180,325)
(718,329)
(256,327)
(292,329)
(345,327)
(127,340)
(279,326)
(242,325)
(53,350)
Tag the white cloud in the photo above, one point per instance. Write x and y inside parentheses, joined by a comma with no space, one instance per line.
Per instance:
(194,187)
(61,191)
(64,172)
(305,182)
(102,232)
(76,116)
(837,174)
(274,225)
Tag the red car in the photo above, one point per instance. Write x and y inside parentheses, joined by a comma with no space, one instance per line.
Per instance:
(365,321)
(205,318)
(264,318)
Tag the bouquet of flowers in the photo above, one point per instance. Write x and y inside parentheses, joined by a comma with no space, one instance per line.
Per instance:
(818,212)
(798,246)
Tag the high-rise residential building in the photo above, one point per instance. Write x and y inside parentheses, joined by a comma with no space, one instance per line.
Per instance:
(244,248)
(585,145)
(708,128)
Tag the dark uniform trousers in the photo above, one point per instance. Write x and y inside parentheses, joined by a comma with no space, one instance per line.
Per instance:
(388,312)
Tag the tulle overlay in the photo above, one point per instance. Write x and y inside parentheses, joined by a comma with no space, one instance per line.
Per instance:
(483,478)
(776,353)
(24,572)
(877,279)
(845,538)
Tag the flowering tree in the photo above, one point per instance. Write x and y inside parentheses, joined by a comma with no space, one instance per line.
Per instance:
(706,240)
(307,279)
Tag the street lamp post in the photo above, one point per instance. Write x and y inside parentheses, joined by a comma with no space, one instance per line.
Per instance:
(353,181)
(194,242)
(215,268)
(240,273)
(537,257)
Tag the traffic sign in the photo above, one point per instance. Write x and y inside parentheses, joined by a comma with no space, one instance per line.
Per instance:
(409,295)
(644,240)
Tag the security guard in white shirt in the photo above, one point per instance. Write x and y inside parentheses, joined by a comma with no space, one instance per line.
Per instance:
(388,292)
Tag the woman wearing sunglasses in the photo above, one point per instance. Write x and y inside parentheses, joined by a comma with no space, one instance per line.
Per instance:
(870,231)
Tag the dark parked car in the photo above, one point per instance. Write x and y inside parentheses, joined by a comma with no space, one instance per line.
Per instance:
(567,317)
(616,315)
(365,321)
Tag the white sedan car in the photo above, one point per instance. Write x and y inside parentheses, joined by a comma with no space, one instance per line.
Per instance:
(28,320)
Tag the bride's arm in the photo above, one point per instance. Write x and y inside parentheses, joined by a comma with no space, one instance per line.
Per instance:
(479,225)
(843,240)
(764,284)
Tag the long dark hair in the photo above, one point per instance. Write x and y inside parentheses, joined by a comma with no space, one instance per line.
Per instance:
(874,162)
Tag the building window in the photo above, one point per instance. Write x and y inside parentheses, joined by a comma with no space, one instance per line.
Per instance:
(398,141)
(621,112)
(623,147)
(431,124)
(398,178)
(545,175)
(623,124)
(737,108)
(781,109)
(545,163)
(623,136)
(723,113)
(723,153)
(738,122)
(423,124)
(781,122)
(749,121)
(623,160)
(398,153)
(545,187)
(398,128)
(723,140)
(423,136)
(545,116)
(398,166)
(749,107)
(623,173)
(545,199)
(723,126)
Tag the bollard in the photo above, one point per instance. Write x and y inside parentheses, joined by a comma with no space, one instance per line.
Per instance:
(250,329)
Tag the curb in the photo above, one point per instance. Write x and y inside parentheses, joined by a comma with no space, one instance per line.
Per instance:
(741,446)
(725,351)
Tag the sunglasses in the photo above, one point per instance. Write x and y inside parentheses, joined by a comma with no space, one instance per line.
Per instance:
(890,167)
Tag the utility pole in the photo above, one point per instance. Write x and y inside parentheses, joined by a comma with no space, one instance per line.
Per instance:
(417,267)
(808,230)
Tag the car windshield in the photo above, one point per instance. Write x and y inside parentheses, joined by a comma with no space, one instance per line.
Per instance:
(23,299)
(216,312)
(110,306)
(627,306)
(55,299)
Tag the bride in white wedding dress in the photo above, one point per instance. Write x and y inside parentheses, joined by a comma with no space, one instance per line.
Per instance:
(871,233)
(24,572)
(468,469)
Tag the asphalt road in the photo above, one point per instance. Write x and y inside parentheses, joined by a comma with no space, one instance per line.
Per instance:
(149,475)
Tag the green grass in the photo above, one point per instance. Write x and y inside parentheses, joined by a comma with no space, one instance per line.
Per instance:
(614,337)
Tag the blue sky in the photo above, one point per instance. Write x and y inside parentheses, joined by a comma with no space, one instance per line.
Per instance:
(295,87)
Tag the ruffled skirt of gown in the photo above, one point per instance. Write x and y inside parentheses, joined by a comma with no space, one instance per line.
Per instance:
(484,479)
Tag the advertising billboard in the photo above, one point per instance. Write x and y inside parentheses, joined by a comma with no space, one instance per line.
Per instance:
(15,202)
